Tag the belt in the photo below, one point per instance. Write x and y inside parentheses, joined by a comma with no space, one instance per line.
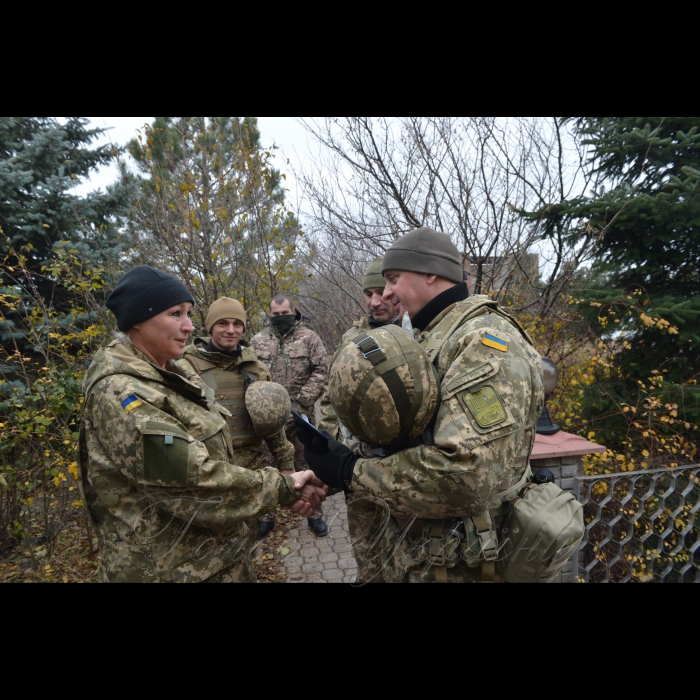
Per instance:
(416,528)
(436,533)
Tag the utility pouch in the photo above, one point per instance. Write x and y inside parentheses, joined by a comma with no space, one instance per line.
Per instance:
(543,530)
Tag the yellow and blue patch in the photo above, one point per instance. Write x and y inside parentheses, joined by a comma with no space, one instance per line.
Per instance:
(491,341)
(131,404)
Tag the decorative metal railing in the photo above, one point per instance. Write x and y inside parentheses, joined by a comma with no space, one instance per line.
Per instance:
(641,527)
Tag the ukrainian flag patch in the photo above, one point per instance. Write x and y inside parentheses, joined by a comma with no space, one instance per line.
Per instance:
(131,404)
(491,341)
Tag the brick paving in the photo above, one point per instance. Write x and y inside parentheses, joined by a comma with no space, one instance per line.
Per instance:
(327,560)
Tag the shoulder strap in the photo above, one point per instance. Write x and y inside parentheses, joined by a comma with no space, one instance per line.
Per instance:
(387,370)
(246,378)
(511,317)
(209,379)
(438,337)
(200,364)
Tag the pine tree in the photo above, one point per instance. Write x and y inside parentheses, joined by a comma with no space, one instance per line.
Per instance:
(42,159)
(649,204)
(645,210)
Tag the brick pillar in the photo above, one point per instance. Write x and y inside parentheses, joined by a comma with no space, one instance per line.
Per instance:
(563,455)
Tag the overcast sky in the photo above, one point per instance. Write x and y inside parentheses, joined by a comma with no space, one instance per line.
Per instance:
(280,131)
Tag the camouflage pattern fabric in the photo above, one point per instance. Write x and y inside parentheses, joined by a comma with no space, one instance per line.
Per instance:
(383,387)
(269,407)
(388,551)
(492,398)
(298,361)
(329,419)
(168,501)
(249,456)
(299,465)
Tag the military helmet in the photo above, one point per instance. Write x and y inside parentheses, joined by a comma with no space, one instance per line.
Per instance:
(383,387)
(269,407)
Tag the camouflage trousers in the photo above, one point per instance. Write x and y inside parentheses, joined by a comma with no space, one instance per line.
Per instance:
(387,553)
(242,572)
(300,465)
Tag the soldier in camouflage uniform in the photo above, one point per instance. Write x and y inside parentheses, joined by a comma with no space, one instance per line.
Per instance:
(157,466)
(380,313)
(219,362)
(431,513)
(297,360)
(226,363)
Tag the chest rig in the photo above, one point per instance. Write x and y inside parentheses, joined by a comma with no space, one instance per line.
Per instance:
(230,386)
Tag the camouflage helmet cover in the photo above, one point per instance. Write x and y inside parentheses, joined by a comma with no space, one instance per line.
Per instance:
(383,387)
(269,407)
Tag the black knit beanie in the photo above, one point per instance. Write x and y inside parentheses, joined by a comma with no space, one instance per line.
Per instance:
(426,252)
(143,293)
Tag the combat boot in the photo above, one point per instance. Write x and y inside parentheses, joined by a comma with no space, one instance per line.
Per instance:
(266,529)
(319,528)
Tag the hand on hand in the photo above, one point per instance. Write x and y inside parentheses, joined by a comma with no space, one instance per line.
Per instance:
(313,493)
(304,509)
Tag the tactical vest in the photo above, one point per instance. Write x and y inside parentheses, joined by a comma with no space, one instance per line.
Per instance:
(230,389)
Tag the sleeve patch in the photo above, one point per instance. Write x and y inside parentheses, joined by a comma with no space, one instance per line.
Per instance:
(486,407)
(166,459)
(131,404)
(491,341)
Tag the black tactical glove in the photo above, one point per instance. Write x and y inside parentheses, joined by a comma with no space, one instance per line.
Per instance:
(334,466)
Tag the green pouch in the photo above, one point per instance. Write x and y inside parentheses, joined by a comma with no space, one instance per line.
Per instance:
(166,454)
(544,529)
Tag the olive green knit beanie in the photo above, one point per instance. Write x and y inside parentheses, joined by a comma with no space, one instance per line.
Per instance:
(225,309)
(373,277)
(426,252)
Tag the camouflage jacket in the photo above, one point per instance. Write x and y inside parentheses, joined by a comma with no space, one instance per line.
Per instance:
(492,398)
(249,456)
(329,420)
(158,477)
(298,361)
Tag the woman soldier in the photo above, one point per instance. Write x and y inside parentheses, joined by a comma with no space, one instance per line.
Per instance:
(156,456)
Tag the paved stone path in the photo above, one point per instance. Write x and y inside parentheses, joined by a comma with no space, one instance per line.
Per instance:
(327,560)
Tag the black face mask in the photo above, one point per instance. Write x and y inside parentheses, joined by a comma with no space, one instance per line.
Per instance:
(284,324)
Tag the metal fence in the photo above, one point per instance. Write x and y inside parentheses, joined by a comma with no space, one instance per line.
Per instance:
(641,527)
